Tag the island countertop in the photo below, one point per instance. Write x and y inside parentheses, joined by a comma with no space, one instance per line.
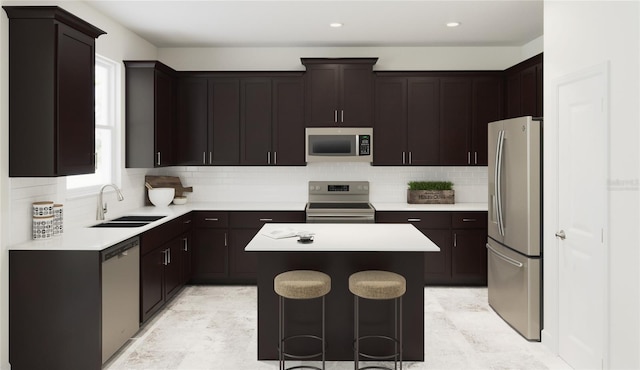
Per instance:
(343,238)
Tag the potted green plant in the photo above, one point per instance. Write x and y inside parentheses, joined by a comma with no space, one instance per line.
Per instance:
(430,192)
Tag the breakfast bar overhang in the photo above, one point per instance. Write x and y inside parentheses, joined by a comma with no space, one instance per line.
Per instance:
(340,250)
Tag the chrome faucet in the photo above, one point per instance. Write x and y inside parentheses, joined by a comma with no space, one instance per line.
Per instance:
(102,209)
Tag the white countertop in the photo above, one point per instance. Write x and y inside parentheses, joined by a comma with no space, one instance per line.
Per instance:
(457,207)
(344,238)
(97,239)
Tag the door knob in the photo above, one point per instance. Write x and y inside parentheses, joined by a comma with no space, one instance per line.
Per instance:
(560,234)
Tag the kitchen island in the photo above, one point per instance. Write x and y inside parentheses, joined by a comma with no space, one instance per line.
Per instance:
(340,250)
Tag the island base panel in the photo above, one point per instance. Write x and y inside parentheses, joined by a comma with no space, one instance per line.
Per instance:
(376,317)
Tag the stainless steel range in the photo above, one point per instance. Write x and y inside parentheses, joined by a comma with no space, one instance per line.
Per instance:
(339,202)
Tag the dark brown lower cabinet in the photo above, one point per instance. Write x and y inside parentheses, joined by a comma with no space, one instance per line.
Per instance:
(461,237)
(219,239)
(161,265)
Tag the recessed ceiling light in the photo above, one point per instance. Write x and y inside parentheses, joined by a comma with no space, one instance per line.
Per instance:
(453,24)
(335,25)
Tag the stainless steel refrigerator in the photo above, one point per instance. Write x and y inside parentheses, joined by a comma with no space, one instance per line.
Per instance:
(514,249)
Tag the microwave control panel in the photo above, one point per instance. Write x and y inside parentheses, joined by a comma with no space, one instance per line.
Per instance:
(364,145)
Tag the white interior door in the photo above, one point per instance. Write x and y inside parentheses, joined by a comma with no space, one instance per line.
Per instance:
(582,214)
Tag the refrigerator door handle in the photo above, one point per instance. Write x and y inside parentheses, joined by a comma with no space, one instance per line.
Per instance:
(498,180)
(505,258)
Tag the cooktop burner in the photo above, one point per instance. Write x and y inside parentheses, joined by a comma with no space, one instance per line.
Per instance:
(317,205)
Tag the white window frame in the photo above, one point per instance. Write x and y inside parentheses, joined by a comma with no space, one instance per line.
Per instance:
(112,127)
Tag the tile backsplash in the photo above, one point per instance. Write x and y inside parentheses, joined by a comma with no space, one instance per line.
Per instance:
(267,184)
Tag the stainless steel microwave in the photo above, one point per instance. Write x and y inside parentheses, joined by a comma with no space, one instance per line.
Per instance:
(339,144)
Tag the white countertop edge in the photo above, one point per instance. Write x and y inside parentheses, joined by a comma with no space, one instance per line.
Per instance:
(458,207)
(344,238)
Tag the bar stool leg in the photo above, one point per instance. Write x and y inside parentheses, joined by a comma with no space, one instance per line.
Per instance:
(356,332)
(324,352)
(400,330)
(280,333)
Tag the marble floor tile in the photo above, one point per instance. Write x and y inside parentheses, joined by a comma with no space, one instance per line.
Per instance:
(214,328)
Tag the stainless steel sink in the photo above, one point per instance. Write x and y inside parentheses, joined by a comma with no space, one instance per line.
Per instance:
(137,218)
(129,221)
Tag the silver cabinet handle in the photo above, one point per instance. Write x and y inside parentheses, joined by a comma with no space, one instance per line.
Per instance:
(469,220)
(455,239)
(468,157)
(410,159)
(210,157)
(169,253)
(403,158)
(187,221)
(561,234)
(268,157)
(341,115)
(266,219)
(475,157)
(505,258)
(211,219)
(275,157)
(164,257)
(226,244)
(335,116)
(414,219)
(185,244)
(158,158)
(204,157)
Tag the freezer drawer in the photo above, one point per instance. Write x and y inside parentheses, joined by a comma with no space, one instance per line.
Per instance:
(514,283)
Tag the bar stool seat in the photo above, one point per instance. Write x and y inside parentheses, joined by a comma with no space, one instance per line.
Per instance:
(378,285)
(300,284)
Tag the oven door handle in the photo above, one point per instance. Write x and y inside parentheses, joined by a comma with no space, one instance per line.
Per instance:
(340,218)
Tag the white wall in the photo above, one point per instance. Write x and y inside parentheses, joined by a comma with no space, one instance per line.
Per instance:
(16,194)
(579,35)
(389,58)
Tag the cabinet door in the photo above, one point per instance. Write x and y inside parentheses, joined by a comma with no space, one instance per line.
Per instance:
(321,97)
(288,121)
(255,127)
(164,118)
(172,267)
(469,256)
(192,130)
(224,113)
(423,125)
(356,96)
(151,283)
(487,107)
(455,120)
(513,96)
(75,141)
(390,130)
(210,253)
(529,93)
(437,265)
(242,265)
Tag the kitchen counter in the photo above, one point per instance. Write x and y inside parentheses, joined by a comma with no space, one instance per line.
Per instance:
(344,238)
(97,239)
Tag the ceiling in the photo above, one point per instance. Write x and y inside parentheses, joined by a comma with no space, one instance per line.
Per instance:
(305,23)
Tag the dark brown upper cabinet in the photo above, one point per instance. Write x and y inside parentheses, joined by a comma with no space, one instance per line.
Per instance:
(51,92)
(339,92)
(487,106)
(272,126)
(150,114)
(523,93)
(406,120)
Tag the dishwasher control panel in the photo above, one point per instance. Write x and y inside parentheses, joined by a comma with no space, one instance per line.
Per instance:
(119,248)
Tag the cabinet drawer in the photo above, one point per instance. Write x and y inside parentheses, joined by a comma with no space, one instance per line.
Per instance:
(159,235)
(185,223)
(469,220)
(254,220)
(421,220)
(212,220)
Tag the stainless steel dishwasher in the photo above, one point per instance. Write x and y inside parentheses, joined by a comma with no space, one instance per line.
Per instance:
(120,295)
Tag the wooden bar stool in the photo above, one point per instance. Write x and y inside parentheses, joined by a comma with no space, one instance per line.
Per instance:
(300,284)
(378,285)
